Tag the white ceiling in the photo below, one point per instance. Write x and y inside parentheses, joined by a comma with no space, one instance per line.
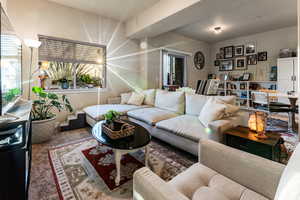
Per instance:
(242,17)
(116,9)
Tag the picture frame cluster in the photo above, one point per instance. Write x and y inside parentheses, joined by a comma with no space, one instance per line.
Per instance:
(239,57)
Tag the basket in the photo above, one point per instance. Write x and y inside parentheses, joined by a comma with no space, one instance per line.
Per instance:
(125,131)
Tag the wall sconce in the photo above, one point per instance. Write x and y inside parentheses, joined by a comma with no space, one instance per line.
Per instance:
(258,123)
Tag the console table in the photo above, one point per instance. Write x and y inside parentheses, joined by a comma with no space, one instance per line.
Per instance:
(243,139)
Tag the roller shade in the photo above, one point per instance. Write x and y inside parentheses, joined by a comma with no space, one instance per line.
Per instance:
(62,50)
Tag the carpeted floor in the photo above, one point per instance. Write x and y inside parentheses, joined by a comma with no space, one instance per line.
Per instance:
(42,185)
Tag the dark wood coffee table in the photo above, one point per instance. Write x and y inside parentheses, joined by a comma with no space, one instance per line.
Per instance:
(138,141)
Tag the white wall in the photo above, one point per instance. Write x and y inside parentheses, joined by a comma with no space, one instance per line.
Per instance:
(181,43)
(271,41)
(33,17)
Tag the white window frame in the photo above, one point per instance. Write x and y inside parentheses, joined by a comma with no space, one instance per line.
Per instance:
(81,90)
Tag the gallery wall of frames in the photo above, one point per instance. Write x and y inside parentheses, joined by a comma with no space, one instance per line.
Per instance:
(253,57)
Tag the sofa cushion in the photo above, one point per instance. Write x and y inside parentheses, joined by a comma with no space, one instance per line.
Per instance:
(136,99)
(187,126)
(97,111)
(171,101)
(151,115)
(213,110)
(229,188)
(149,97)
(125,97)
(226,99)
(206,193)
(199,182)
(193,178)
(251,195)
(194,103)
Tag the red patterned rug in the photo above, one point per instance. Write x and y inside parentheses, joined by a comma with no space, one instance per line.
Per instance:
(83,170)
(103,161)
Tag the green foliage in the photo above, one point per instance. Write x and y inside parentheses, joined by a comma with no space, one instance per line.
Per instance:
(11,94)
(43,107)
(86,78)
(111,116)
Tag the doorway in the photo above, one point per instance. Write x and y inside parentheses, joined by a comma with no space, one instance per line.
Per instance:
(173,69)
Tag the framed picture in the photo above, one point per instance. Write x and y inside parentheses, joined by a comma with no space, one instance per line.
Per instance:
(239,50)
(240,63)
(262,56)
(217,63)
(242,86)
(222,53)
(246,76)
(252,59)
(250,48)
(226,65)
(218,56)
(228,52)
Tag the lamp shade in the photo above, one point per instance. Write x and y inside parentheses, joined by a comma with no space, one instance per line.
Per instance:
(32,43)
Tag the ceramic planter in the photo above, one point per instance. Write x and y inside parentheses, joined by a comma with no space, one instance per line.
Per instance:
(42,130)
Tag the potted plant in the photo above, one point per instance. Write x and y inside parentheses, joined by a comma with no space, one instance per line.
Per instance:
(43,117)
(64,83)
(112,120)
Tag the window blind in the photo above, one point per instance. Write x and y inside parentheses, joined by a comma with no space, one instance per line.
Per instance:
(69,51)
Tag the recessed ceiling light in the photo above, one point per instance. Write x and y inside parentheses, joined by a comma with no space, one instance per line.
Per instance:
(217,30)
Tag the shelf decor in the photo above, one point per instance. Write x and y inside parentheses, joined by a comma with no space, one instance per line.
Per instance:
(257,123)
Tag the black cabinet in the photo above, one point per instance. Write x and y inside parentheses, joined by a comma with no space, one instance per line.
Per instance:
(15,157)
(243,139)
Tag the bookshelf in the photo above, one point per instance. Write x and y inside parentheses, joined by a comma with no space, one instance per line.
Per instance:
(243,90)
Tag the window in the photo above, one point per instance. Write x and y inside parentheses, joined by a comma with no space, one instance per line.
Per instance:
(66,64)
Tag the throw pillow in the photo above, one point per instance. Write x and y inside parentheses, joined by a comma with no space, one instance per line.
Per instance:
(125,97)
(149,97)
(230,109)
(136,99)
(213,110)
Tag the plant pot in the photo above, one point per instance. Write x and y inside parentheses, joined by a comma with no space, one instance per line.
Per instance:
(42,130)
(65,85)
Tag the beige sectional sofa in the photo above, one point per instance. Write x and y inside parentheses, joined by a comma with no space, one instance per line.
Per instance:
(172,117)
(224,173)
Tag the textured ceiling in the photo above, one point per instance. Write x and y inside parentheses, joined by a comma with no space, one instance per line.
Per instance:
(243,18)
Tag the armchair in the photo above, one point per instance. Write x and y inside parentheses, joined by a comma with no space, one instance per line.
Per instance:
(223,173)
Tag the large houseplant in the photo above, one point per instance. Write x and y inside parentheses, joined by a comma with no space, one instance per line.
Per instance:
(43,117)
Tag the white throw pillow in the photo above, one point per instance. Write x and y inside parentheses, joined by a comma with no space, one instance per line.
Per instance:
(149,97)
(230,109)
(171,101)
(136,99)
(213,110)
(125,97)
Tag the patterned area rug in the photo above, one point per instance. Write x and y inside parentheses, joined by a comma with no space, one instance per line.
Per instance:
(84,170)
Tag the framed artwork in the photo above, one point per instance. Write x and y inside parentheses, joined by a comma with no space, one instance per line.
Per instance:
(217,63)
(252,59)
(239,50)
(228,52)
(226,65)
(240,63)
(218,56)
(242,86)
(222,53)
(250,48)
(246,76)
(262,56)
